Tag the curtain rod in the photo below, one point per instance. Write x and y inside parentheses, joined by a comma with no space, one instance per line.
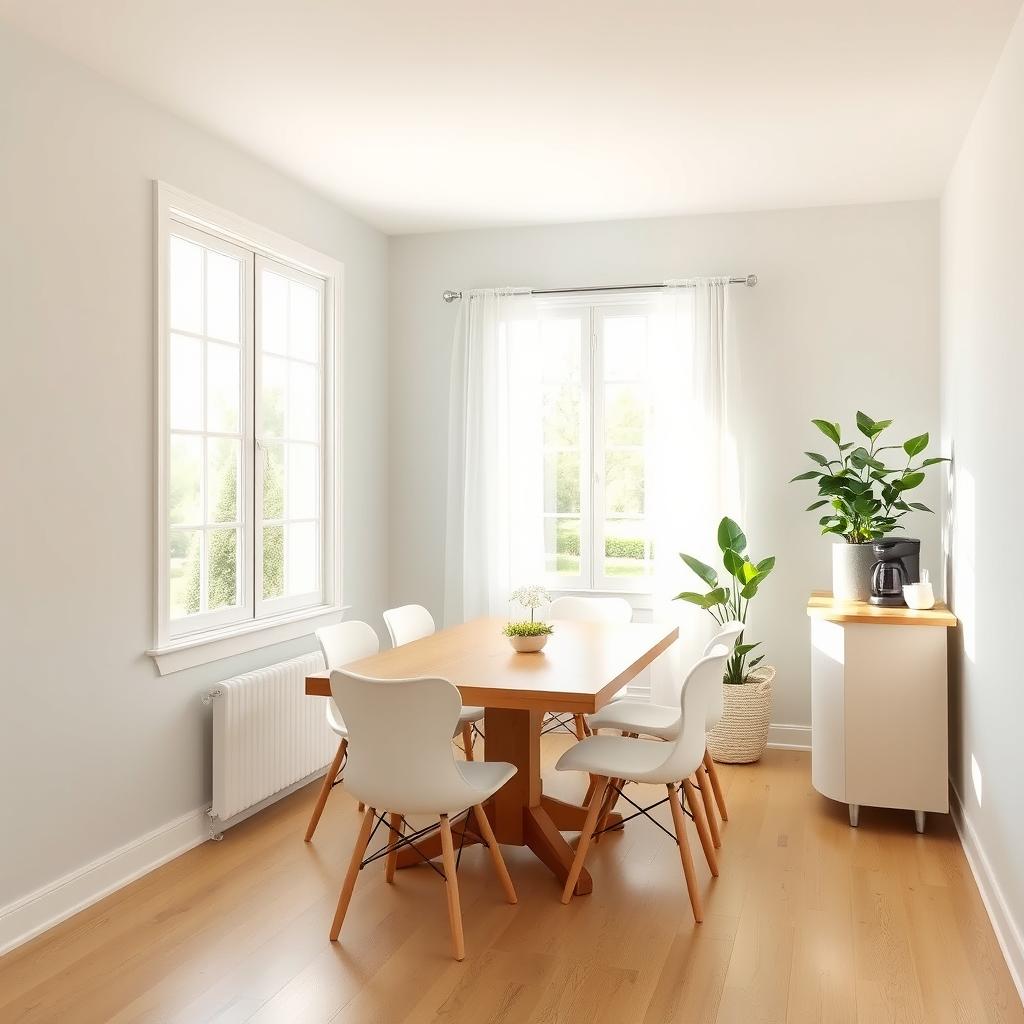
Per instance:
(750,280)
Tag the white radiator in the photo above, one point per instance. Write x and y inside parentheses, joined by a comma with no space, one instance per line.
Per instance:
(267,735)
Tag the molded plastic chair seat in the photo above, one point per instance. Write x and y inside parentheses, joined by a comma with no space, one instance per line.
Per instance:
(614,760)
(470,714)
(617,757)
(638,716)
(334,721)
(486,777)
(402,765)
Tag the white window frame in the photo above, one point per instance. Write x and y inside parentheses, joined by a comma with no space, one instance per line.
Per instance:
(283,619)
(592,578)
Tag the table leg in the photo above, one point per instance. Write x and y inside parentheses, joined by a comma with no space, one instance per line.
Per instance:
(519,812)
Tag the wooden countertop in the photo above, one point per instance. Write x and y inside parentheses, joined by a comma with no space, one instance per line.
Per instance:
(822,605)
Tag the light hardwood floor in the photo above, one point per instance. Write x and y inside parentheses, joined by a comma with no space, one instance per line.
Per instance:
(810,921)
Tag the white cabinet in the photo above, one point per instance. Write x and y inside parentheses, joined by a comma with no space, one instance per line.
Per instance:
(879,734)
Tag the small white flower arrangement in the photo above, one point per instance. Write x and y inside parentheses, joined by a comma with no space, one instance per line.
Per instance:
(529,636)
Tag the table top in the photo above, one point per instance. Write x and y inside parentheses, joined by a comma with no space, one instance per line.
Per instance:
(582,667)
(822,605)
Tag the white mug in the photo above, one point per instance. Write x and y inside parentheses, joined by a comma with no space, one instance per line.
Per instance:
(919,596)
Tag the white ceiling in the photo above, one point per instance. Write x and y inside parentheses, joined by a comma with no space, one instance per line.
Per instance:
(421,116)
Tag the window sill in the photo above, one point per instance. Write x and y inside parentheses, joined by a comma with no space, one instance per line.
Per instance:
(215,644)
(642,599)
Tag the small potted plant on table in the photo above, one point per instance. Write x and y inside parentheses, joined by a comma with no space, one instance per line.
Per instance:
(529,636)
(741,734)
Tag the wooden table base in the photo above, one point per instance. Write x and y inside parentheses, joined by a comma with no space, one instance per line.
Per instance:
(519,812)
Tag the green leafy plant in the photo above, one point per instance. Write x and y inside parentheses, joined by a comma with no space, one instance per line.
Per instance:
(528,629)
(867,498)
(730,603)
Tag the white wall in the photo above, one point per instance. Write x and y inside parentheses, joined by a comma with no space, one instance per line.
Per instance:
(982,364)
(844,318)
(95,748)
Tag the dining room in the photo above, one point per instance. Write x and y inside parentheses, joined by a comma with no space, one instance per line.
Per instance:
(502,513)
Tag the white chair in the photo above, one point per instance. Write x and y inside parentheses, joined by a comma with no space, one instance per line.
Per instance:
(587,609)
(413,622)
(401,763)
(614,760)
(342,644)
(637,718)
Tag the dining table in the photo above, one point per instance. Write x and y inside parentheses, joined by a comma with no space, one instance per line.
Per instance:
(581,668)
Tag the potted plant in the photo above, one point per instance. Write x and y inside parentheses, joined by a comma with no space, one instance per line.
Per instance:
(741,734)
(530,636)
(867,498)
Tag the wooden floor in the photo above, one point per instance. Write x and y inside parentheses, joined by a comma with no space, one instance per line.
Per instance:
(809,921)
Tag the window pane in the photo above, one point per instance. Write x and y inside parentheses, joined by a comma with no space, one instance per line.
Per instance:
(186,286)
(562,546)
(274,392)
(222,580)
(303,472)
(562,482)
(304,336)
(561,416)
(185,549)
(223,385)
(186,388)
(185,491)
(224,461)
(624,482)
(302,568)
(626,547)
(273,481)
(625,347)
(223,296)
(303,402)
(625,413)
(274,312)
(560,340)
(273,561)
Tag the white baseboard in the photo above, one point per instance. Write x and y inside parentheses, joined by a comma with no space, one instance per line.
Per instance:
(789,737)
(1008,933)
(25,918)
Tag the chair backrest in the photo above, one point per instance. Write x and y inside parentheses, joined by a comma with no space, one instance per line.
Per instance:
(407,623)
(592,609)
(346,642)
(400,755)
(728,636)
(699,686)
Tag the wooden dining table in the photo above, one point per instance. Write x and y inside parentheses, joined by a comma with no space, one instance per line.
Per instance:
(582,667)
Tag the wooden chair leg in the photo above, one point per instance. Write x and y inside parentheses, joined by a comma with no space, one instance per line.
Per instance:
(451,884)
(591,786)
(581,727)
(395,833)
(611,796)
(353,871)
(679,821)
(697,810)
(325,789)
(716,785)
(467,739)
(704,785)
(492,844)
(595,805)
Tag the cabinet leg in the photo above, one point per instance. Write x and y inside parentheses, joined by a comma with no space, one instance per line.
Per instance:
(854,815)
(919,820)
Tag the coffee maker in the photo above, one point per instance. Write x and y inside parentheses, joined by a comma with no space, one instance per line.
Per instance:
(897,563)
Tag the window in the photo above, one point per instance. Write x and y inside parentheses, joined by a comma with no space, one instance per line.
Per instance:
(248,505)
(595,412)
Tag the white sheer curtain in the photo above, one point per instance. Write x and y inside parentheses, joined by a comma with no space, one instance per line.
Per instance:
(494,537)
(693,472)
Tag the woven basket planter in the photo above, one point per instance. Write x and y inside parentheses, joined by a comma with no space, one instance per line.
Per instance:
(742,733)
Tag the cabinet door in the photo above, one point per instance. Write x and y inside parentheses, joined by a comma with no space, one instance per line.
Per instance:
(896,725)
